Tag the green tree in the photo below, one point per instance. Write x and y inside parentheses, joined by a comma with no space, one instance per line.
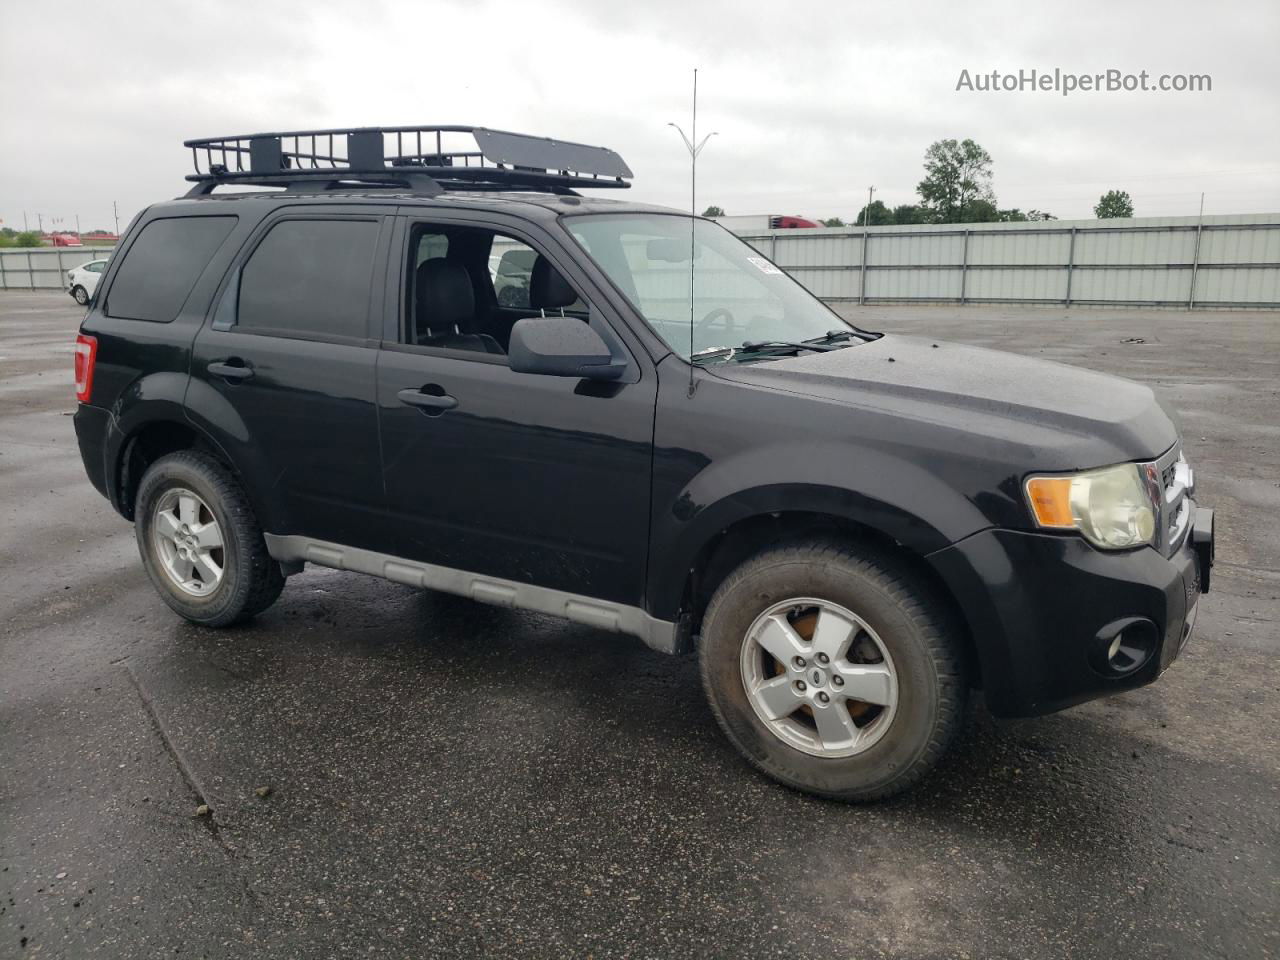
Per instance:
(957,174)
(874,214)
(978,210)
(1112,204)
(908,213)
(28,238)
(1040,215)
(713,211)
(834,222)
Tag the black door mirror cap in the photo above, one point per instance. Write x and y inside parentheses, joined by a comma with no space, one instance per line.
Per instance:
(561,347)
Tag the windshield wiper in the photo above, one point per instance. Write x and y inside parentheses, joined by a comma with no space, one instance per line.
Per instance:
(817,345)
(756,345)
(832,336)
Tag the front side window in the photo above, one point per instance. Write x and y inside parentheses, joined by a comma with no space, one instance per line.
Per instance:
(511,266)
(466,287)
(737,295)
(162,265)
(310,278)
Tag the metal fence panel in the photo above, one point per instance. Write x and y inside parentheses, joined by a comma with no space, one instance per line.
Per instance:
(1137,286)
(43,268)
(1046,285)
(1258,245)
(1244,287)
(1216,261)
(990,248)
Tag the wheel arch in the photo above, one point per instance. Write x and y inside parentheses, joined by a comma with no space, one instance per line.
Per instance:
(149,435)
(750,532)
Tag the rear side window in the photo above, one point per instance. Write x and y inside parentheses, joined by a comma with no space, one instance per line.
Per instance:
(162,266)
(310,278)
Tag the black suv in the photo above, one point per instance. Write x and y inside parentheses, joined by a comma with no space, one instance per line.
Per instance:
(445,367)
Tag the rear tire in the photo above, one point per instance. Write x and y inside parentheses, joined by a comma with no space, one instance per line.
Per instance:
(81,295)
(210,585)
(887,638)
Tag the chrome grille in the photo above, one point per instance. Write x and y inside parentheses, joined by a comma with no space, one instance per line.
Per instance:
(1173,484)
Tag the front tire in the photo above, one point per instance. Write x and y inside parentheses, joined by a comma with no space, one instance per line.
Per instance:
(200,542)
(81,295)
(833,670)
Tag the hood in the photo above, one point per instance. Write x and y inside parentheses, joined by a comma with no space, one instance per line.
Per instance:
(1089,419)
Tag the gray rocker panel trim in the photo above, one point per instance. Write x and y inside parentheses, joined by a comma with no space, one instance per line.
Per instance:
(602,614)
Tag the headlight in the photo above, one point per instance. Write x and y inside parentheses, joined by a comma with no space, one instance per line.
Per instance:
(1111,506)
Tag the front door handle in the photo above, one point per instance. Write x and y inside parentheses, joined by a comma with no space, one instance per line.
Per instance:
(239,370)
(427,401)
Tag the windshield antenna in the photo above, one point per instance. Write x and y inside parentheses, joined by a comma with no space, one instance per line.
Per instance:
(695,147)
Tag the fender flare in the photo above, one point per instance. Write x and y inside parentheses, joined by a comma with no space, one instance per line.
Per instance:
(897,499)
(163,398)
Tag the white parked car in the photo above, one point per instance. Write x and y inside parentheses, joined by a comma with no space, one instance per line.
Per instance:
(83,280)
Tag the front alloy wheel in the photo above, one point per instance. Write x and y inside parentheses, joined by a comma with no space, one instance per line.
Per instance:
(834,667)
(819,677)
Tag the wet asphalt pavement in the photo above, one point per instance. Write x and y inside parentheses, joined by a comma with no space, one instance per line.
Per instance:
(450,779)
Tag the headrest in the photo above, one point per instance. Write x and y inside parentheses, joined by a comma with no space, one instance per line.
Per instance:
(547,289)
(442,289)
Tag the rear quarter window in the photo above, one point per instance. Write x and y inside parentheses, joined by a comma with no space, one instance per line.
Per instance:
(162,265)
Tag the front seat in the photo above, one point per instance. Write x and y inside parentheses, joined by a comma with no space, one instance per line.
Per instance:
(444,301)
(547,289)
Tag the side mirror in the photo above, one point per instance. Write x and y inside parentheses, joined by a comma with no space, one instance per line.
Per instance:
(560,347)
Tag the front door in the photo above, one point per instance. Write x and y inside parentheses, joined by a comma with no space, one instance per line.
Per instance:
(535,479)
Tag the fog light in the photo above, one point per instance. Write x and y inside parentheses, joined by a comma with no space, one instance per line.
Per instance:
(1124,646)
(1115,647)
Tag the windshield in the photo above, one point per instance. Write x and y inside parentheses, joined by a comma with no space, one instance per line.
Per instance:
(738,296)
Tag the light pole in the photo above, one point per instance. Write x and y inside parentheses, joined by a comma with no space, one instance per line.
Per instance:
(694,147)
(866,211)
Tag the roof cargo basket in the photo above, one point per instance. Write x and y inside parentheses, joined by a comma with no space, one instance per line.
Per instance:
(423,159)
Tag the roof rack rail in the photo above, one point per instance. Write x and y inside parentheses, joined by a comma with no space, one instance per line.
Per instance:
(321,160)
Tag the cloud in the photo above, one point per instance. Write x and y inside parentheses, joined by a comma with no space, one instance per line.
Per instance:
(813,102)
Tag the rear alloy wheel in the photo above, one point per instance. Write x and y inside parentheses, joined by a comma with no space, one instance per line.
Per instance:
(188,542)
(81,295)
(834,669)
(200,542)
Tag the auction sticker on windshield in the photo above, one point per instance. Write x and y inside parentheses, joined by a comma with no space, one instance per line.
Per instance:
(764,265)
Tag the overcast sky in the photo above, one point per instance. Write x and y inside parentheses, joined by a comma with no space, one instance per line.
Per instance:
(813,102)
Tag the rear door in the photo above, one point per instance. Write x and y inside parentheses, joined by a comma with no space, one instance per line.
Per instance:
(534,479)
(285,372)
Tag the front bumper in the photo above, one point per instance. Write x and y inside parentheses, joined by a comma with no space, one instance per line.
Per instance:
(1042,610)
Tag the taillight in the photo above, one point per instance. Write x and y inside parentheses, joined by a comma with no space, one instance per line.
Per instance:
(86,354)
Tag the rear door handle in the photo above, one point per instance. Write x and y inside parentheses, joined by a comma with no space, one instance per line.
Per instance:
(427,401)
(231,371)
